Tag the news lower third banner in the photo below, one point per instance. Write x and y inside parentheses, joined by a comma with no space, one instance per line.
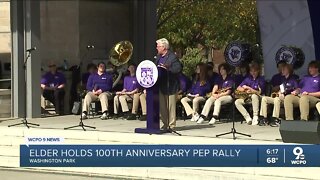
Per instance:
(169,155)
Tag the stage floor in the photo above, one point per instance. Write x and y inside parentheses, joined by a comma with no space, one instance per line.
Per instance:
(260,134)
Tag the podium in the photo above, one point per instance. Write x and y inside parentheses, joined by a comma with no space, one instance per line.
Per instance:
(153,120)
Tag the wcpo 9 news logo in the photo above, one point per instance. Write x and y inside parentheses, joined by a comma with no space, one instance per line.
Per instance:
(299,156)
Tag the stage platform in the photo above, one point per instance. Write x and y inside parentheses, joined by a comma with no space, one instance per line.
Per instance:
(121,131)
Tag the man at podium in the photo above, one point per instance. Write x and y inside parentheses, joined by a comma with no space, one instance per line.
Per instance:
(169,68)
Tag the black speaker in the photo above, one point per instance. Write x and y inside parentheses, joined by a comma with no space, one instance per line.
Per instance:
(306,132)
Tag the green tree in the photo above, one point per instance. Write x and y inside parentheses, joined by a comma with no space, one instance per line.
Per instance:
(213,23)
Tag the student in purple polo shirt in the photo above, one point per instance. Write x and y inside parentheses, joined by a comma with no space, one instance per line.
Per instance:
(276,79)
(251,85)
(52,84)
(91,68)
(197,94)
(241,72)
(288,84)
(221,94)
(306,95)
(129,92)
(185,84)
(99,86)
(212,76)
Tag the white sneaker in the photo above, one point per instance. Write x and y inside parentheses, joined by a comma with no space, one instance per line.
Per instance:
(200,120)
(195,117)
(104,116)
(248,120)
(212,121)
(255,120)
(84,116)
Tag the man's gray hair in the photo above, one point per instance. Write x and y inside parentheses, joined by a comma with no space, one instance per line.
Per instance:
(164,42)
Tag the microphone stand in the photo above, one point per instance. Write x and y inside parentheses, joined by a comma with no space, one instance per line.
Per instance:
(83,126)
(233,129)
(24,120)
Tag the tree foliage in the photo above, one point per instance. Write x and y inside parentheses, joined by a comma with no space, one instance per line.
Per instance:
(213,23)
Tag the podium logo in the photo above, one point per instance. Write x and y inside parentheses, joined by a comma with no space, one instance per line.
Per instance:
(298,152)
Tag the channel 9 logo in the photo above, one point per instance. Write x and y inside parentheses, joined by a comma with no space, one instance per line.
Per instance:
(300,158)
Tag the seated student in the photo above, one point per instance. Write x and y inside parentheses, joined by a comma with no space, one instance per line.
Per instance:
(212,76)
(250,89)
(221,94)
(142,98)
(288,84)
(306,95)
(99,86)
(91,68)
(241,72)
(52,84)
(197,94)
(196,71)
(277,79)
(185,83)
(130,88)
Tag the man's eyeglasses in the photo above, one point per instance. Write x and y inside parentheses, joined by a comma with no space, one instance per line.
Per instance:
(52,66)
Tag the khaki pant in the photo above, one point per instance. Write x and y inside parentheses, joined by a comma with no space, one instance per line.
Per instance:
(195,104)
(168,110)
(139,98)
(217,105)
(90,97)
(255,106)
(276,106)
(123,101)
(304,102)
(318,107)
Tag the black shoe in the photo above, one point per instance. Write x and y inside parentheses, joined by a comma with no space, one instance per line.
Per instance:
(143,118)
(132,117)
(275,123)
(263,122)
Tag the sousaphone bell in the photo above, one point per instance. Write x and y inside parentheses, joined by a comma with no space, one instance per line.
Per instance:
(121,53)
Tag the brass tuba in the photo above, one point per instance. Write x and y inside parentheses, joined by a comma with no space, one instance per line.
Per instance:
(121,53)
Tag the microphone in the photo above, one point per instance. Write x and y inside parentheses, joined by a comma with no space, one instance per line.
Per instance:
(90,47)
(31,49)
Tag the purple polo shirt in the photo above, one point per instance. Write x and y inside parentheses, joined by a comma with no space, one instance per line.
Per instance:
(201,90)
(238,78)
(103,82)
(310,84)
(52,80)
(130,83)
(276,79)
(290,84)
(184,82)
(213,79)
(255,83)
(225,83)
